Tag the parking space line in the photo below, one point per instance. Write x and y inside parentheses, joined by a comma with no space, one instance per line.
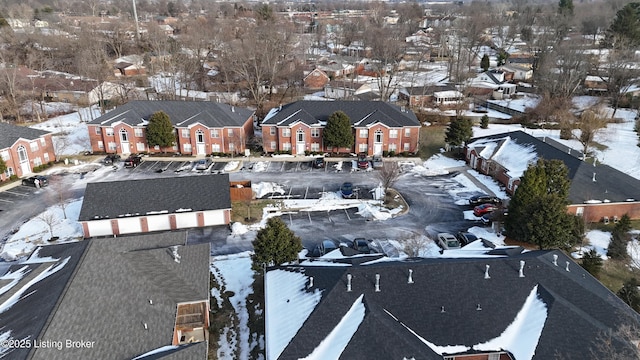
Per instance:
(15,193)
(309,215)
(290,220)
(305,192)
(153,165)
(329,216)
(346,212)
(9,201)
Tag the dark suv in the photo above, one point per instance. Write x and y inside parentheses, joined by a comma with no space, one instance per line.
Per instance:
(110,159)
(484,199)
(36,181)
(133,161)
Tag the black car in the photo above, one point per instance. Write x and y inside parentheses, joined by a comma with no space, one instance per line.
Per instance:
(361,245)
(110,159)
(465,237)
(36,181)
(318,163)
(484,199)
(133,161)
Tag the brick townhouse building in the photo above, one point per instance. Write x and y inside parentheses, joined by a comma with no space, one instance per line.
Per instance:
(377,127)
(22,148)
(201,128)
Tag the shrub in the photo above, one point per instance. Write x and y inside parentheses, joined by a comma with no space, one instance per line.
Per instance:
(392,153)
(385,153)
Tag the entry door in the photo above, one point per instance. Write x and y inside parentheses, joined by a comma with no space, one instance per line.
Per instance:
(377,149)
(124,141)
(300,144)
(200,145)
(126,149)
(24,160)
(377,142)
(200,148)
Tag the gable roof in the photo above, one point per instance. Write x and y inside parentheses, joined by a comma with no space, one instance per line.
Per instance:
(34,287)
(361,113)
(9,134)
(449,307)
(108,299)
(610,184)
(114,199)
(181,113)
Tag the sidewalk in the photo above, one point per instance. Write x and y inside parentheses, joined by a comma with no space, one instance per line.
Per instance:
(478,183)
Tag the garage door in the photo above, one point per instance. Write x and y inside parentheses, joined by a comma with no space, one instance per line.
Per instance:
(129,225)
(186,220)
(99,228)
(214,217)
(158,222)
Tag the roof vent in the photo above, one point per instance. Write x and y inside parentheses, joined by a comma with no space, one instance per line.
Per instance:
(349,282)
(442,309)
(594,177)
(233,109)
(150,302)
(555,259)
(486,272)
(567,268)
(310,282)
(521,274)
(594,161)
(377,282)
(410,281)
(478,308)
(145,326)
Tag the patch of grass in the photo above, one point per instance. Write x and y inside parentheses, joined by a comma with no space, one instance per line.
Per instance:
(431,140)
(393,199)
(248,212)
(614,273)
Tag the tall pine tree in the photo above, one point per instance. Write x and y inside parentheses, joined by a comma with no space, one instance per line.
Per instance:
(275,244)
(460,130)
(538,209)
(484,62)
(337,133)
(159,131)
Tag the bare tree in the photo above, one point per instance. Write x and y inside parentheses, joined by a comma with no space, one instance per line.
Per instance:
(388,175)
(620,344)
(415,245)
(591,122)
(60,195)
(92,63)
(49,218)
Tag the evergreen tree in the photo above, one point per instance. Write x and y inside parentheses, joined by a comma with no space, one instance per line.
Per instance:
(625,28)
(3,165)
(337,133)
(484,62)
(160,130)
(592,262)
(619,239)
(460,130)
(629,294)
(484,122)
(565,7)
(538,209)
(275,244)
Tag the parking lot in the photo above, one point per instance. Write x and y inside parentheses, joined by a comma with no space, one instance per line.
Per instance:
(16,194)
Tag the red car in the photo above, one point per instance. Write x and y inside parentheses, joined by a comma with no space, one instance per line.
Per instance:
(483,209)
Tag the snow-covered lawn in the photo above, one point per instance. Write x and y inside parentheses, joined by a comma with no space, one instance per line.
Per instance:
(70,131)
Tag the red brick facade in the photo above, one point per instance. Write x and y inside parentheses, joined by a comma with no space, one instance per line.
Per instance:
(195,140)
(24,155)
(316,79)
(301,137)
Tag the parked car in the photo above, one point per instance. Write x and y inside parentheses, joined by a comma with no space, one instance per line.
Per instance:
(346,190)
(363,163)
(483,209)
(318,163)
(377,162)
(36,181)
(133,161)
(325,247)
(484,199)
(361,245)
(203,164)
(489,218)
(110,159)
(447,241)
(465,237)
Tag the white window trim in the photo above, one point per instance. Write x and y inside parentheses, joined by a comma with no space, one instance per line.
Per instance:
(363,132)
(286,132)
(393,134)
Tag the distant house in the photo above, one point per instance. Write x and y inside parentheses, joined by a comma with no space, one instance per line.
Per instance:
(517,72)
(202,128)
(110,299)
(491,82)
(596,84)
(377,127)
(130,66)
(418,96)
(316,79)
(139,206)
(596,190)
(23,148)
(504,304)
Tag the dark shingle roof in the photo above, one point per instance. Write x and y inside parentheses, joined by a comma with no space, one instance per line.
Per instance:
(26,319)
(9,134)
(140,197)
(361,113)
(579,308)
(108,299)
(181,113)
(610,184)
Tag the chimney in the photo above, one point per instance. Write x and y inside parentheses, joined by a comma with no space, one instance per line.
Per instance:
(410,281)
(567,268)
(310,282)
(555,259)
(521,274)
(486,272)
(348,282)
(377,282)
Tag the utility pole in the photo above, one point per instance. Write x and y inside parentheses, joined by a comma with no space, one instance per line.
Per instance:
(135,16)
